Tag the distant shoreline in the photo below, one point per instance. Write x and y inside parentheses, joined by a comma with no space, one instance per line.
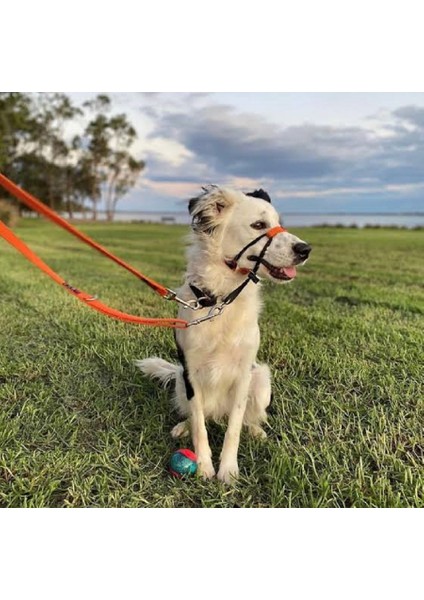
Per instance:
(405,220)
(321,214)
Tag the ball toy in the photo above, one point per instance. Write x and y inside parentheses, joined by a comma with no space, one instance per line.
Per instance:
(183,462)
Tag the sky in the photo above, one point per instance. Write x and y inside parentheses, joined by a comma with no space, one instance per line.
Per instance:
(312,152)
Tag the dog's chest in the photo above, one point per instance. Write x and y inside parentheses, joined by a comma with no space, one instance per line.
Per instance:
(223,344)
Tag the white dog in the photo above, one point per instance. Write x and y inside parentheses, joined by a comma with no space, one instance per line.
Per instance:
(235,236)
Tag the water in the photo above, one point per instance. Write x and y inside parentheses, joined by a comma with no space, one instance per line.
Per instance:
(288,219)
(356,220)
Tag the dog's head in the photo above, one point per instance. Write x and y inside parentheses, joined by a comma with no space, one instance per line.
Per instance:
(228,220)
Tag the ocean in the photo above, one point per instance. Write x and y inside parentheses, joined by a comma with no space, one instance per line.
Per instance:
(408,220)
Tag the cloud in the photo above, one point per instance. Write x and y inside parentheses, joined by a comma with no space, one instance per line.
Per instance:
(178,189)
(246,145)
(189,139)
(412,114)
(406,188)
(223,144)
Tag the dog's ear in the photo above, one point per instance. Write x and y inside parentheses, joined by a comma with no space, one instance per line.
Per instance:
(260,194)
(209,210)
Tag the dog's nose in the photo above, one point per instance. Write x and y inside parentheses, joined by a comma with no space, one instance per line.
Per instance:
(302,250)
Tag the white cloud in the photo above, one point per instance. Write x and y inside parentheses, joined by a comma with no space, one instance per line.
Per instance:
(245,140)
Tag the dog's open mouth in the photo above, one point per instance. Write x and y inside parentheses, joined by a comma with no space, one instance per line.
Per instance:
(282,273)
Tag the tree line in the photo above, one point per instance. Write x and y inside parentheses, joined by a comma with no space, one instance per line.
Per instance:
(70,172)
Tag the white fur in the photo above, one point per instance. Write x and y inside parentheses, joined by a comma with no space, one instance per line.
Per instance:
(221,354)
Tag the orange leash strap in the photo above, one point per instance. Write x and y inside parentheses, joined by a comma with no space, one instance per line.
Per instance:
(41,208)
(91,301)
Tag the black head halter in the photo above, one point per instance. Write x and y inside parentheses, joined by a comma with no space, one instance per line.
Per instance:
(207,299)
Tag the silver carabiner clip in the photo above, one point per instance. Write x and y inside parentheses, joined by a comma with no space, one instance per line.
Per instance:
(192,304)
(215,311)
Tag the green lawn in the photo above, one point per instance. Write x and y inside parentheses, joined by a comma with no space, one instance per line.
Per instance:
(79,426)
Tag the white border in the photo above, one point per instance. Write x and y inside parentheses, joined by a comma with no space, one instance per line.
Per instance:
(209,554)
(189,46)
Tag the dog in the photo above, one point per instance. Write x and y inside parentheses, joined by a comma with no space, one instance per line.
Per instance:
(236,241)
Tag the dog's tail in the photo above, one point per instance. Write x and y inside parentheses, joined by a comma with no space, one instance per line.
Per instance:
(157,368)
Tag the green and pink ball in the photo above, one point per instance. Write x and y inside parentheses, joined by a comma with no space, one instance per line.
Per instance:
(182,463)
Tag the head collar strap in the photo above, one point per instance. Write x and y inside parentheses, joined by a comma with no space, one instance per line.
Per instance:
(207,299)
(269,234)
(251,273)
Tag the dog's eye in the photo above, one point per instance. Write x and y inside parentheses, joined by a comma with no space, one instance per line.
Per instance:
(259,225)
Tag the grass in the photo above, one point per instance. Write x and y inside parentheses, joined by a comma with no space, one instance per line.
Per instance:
(79,426)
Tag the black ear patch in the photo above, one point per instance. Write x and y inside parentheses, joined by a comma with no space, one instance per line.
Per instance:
(203,214)
(192,204)
(262,194)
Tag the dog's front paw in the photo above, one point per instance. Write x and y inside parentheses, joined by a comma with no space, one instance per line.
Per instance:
(205,467)
(257,432)
(181,430)
(228,473)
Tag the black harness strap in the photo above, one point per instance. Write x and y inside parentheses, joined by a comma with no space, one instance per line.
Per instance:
(204,297)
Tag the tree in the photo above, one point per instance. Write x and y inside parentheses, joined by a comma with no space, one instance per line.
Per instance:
(52,113)
(38,151)
(34,149)
(16,126)
(29,171)
(113,169)
(16,132)
(95,153)
(122,168)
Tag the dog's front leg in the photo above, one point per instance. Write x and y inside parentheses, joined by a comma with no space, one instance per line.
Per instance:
(200,436)
(228,468)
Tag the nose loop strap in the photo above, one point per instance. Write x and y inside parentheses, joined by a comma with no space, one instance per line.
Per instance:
(275,230)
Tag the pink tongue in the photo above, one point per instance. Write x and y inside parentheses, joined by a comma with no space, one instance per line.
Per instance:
(290,272)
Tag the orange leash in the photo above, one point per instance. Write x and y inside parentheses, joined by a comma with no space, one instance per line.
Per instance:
(42,209)
(89,300)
